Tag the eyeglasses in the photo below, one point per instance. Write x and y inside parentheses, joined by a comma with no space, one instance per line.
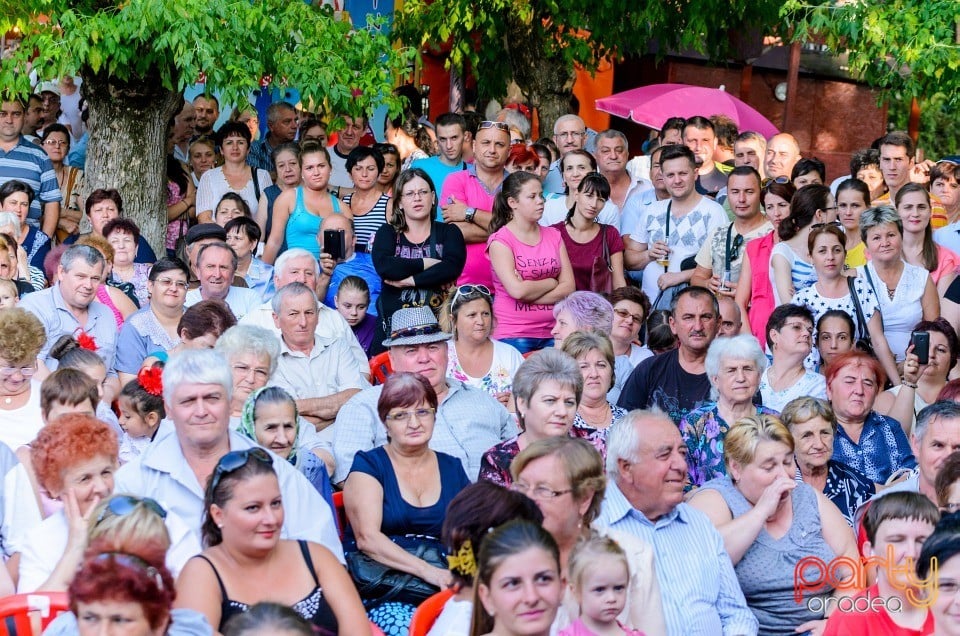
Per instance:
(133,562)
(781,180)
(571,134)
(122,505)
(27,372)
(538,492)
(417,194)
(167,282)
(258,372)
(624,314)
(470,290)
(234,460)
(55,142)
(401,417)
(499,125)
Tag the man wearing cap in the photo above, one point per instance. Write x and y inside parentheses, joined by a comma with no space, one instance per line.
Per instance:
(319,372)
(216,266)
(469,421)
(198,236)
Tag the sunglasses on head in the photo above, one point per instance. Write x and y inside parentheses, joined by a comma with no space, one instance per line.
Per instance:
(499,125)
(122,505)
(781,180)
(234,460)
(470,290)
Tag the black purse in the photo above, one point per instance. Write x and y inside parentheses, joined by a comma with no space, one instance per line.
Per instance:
(863,342)
(378,583)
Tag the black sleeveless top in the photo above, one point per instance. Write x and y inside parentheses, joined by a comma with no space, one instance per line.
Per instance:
(313,607)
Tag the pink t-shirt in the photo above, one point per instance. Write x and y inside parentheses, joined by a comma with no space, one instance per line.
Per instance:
(577,628)
(466,186)
(516,319)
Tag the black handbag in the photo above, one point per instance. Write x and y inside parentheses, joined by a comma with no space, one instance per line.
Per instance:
(863,341)
(378,583)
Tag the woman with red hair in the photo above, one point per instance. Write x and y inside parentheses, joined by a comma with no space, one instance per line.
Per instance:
(866,441)
(522,157)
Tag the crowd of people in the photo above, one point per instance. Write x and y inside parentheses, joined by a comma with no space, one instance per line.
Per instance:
(585,391)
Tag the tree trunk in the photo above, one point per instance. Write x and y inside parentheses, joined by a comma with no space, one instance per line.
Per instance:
(545,79)
(127,147)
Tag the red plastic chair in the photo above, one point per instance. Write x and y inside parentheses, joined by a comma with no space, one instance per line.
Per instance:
(341,513)
(375,629)
(427,613)
(380,367)
(28,614)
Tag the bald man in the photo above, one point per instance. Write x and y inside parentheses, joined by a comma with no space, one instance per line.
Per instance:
(783,152)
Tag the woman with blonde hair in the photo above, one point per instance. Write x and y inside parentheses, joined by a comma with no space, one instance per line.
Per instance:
(771,524)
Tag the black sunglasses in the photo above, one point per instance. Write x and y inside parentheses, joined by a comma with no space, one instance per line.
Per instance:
(122,505)
(234,460)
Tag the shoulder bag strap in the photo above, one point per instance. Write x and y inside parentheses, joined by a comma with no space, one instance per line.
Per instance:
(256,182)
(862,322)
(866,269)
(606,248)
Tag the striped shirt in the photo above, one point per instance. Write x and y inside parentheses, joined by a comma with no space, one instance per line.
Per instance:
(366,225)
(28,162)
(700,591)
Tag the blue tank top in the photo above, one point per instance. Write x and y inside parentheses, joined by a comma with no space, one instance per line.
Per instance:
(303,225)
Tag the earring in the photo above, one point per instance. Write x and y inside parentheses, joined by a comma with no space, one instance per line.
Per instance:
(220,525)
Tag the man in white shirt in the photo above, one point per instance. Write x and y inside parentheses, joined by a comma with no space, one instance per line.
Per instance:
(216,265)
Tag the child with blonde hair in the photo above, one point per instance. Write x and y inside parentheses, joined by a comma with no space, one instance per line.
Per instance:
(600,580)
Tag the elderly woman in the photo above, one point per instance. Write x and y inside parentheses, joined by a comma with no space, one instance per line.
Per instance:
(588,311)
(367,203)
(734,367)
(21,338)
(103,206)
(75,457)
(565,477)
(547,390)
(123,235)
(770,523)
(474,357)
(813,426)
(242,520)
(470,516)
(270,418)
(233,176)
(595,413)
(396,498)
(16,197)
(631,307)
(789,339)
(866,441)
(905,293)
(922,384)
(155,327)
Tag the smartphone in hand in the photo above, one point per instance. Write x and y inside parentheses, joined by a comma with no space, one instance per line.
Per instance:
(921,346)
(335,244)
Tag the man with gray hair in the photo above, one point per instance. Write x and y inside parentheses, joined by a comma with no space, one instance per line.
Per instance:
(175,468)
(612,154)
(569,133)
(70,308)
(281,129)
(297,265)
(216,266)
(646,470)
(319,372)
(935,435)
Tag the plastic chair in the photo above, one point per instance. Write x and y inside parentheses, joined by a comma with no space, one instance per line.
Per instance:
(341,513)
(380,367)
(428,611)
(375,629)
(28,614)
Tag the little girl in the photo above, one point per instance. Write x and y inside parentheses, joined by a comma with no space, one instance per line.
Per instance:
(600,581)
(352,301)
(79,352)
(9,295)
(141,409)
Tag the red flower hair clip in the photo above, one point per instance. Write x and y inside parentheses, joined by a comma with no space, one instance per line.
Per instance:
(86,341)
(151,379)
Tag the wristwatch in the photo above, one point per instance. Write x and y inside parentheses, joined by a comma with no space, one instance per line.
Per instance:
(469,214)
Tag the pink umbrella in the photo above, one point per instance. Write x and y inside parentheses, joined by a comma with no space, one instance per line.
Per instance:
(653,105)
